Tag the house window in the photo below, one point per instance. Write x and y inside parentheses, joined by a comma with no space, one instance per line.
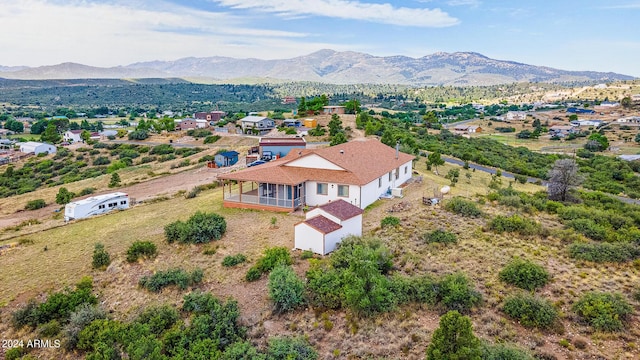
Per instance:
(397,173)
(406,168)
(390,174)
(322,188)
(379,182)
(343,190)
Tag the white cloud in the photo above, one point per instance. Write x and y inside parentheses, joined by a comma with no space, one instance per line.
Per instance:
(380,13)
(470,3)
(41,32)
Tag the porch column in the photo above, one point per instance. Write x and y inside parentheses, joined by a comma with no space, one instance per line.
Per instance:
(240,197)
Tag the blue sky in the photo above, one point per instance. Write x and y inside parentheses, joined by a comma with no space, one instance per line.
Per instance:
(565,34)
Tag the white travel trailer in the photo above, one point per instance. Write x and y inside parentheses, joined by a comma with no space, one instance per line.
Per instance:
(96,205)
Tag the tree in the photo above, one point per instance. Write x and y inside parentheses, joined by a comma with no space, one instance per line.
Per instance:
(85,136)
(285,288)
(626,102)
(101,258)
(453,176)
(339,138)
(454,339)
(51,134)
(573,117)
(115,180)
(39,127)
(434,159)
(352,106)
(637,139)
(335,125)
(536,123)
(15,126)
(562,178)
(302,107)
(64,196)
(597,141)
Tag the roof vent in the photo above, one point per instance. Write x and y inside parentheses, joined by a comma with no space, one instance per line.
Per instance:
(341,151)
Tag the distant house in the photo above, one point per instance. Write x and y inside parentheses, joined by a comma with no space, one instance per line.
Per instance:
(72,136)
(516,115)
(211,116)
(467,129)
(187,124)
(630,120)
(279,147)
(575,110)
(32,147)
(288,100)
(629,157)
(94,136)
(562,130)
(333,109)
(292,123)
(588,123)
(358,172)
(226,158)
(260,123)
(326,226)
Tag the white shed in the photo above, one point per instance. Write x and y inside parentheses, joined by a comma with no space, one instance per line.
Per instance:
(326,225)
(37,148)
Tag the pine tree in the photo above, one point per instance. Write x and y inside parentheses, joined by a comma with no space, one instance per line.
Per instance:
(454,339)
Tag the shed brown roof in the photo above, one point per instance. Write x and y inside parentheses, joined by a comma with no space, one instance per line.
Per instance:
(362,161)
(323,224)
(341,209)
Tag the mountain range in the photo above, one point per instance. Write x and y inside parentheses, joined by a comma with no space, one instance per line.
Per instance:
(347,67)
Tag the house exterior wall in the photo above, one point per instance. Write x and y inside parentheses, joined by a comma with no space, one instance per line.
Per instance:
(72,137)
(282,150)
(308,238)
(372,191)
(315,162)
(38,149)
(314,199)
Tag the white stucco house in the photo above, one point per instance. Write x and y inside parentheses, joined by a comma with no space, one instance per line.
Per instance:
(72,136)
(32,147)
(326,225)
(358,172)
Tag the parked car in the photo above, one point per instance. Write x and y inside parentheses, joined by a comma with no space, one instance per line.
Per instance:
(256,163)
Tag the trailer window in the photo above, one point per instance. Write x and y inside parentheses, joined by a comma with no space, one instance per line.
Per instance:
(123,202)
(100,206)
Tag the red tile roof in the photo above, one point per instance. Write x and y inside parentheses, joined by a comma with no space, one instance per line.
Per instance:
(362,161)
(323,224)
(341,209)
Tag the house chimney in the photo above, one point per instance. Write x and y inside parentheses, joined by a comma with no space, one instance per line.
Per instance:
(397,149)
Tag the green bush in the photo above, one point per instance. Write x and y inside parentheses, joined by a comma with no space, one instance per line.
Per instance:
(588,228)
(457,293)
(233,260)
(531,311)
(516,224)
(463,207)
(50,329)
(101,258)
(138,135)
(604,311)
(141,249)
(285,289)
(158,318)
(87,191)
(440,236)
(78,320)
(57,306)
(524,274)
(35,204)
(176,276)
(290,348)
(162,149)
(417,289)
(211,139)
(324,286)
(604,252)
(253,274)
(271,257)
(389,221)
(200,228)
(454,339)
(15,353)
(198,133)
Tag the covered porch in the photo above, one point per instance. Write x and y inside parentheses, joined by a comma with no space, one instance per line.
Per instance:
(263,195)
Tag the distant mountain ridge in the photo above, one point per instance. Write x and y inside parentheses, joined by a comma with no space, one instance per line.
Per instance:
(347,67)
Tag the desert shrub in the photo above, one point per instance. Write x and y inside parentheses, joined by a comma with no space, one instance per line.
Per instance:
(176,276)
(457,293)
(35,204)
(50,329)
(553,207)
(167,157)
(141,249)
(463,207)
(211,139)
(440,236)
(418,289)
(162,149)
(271,257)
(524,274)
(101,258)
(515,223)
(198,133)
(504,352)
(604,252)
(57,306)
(87,191)
(253,274)
(588,228)
(78,320)
(147,159)
(100,336)
(199,228)
(158,318)
(138,135)
(242,350)
(128,153)
(193,192)
(389,221)
(306,254)
(290,348)
(531,311)
(454,339)
(285,289)
(233,260)
(15,353)
(604,311)
(324,286)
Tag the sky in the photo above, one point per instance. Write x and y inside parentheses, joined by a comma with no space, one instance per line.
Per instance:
(565,34)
